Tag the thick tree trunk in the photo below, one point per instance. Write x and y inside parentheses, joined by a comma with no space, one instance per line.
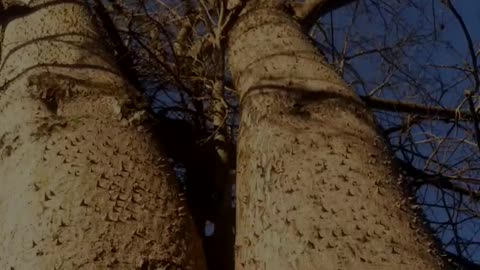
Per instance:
(82,186)
(315,187)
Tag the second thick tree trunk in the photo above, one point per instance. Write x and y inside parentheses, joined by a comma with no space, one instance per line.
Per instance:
(315,188)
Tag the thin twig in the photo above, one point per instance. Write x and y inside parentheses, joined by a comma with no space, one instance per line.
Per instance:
(460,20)
(468,94)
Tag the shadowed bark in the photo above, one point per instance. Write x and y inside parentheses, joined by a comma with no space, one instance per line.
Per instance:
(84,186)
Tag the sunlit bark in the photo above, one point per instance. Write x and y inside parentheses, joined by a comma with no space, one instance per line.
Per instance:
(83,185)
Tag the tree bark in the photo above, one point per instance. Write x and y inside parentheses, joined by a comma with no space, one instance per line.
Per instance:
(315,185)
(83,186)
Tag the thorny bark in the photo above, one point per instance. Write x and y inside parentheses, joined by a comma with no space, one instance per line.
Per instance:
(315,185)
(83,184)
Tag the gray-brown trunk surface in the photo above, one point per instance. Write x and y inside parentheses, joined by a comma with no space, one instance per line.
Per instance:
(82,185)
(315,187)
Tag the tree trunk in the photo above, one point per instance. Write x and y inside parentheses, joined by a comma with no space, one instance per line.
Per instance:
(82,184)
(315,185)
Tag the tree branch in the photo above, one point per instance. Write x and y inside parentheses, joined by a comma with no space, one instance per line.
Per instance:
(123,55)
(309,11)
(398,106)
(438,180)
(473,56)
(476,124)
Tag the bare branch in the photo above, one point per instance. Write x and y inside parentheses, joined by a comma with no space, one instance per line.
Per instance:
(460,20)
(438,180)
(468,94)
(431,111)
(309,11)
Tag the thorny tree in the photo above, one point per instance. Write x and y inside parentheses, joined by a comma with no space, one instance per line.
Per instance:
(180,39)
(83,185)
(382,64)
(177,50)
(418,71)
